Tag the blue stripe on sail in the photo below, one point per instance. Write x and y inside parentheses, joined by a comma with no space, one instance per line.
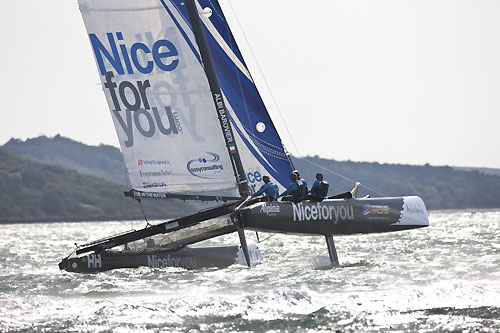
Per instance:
(242,95)
(246,102)
(275,174)
(219,21)
(183,33)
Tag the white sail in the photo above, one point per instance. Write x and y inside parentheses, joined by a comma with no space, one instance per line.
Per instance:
(159,97)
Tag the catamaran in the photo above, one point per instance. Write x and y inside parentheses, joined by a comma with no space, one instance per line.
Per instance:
(192,126)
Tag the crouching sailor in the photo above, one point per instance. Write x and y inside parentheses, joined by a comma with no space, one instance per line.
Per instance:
(295,191)
(319,189)
(269,188)
(306,189)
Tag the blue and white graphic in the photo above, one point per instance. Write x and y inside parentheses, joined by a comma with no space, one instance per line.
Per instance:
(158,96)
(206,166)
(160,101)
(259,144)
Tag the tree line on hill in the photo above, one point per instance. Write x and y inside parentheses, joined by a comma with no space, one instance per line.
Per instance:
(440,187)
(35,192)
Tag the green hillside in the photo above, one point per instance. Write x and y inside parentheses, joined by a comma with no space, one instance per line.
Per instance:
(440,187)
(32,191)
(102,161)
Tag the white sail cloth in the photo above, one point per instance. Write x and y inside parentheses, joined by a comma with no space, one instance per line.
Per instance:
(159,97)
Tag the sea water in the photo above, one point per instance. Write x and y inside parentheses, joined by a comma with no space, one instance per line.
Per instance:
(442,278)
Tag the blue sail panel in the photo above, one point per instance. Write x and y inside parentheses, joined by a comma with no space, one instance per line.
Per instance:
(159,98)
(260,146)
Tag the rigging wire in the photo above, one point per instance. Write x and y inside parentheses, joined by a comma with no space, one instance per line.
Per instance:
(143,213)
(279,110)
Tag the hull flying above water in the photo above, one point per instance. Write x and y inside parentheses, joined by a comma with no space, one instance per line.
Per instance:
(192,126)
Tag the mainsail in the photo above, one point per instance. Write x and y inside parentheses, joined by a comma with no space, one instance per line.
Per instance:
(161,104)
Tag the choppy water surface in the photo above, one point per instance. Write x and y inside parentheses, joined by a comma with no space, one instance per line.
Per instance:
(445,277)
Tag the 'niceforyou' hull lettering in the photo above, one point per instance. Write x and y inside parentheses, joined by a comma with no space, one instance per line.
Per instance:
(319,211)
(186,262)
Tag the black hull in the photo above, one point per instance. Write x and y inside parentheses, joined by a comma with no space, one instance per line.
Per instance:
(336,216)
(187,258)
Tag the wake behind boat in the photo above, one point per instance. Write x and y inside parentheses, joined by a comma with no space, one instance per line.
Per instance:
(192,126)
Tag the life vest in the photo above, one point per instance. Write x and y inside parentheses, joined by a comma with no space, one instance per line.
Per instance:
(323,192)
(298,195)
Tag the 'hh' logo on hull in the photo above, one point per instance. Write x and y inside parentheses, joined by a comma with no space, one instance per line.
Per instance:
(94,261)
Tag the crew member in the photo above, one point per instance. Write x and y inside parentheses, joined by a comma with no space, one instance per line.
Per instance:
(319,189)
(269,188)
(295,190)
(306,190)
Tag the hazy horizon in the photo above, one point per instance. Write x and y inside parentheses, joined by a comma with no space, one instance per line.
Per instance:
(394,81)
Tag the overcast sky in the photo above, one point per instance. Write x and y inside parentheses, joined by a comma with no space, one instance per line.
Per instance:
(410,82)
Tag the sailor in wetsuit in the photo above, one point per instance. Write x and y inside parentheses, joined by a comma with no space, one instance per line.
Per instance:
(269,188)
(302,180)
(295,190)
(319,189)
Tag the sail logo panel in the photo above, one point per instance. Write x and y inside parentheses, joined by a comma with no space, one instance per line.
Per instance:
(159,97)
(259,144)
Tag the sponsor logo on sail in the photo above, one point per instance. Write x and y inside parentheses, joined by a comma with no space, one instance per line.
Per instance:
(153,162)
(157,173)
(269,210)
(163,55)
(153,184)
(322,212)
(134,112)
(205,166)
(375,210)
(184,262)
(253,177)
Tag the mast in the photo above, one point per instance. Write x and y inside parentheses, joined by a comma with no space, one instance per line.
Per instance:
(222,113)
